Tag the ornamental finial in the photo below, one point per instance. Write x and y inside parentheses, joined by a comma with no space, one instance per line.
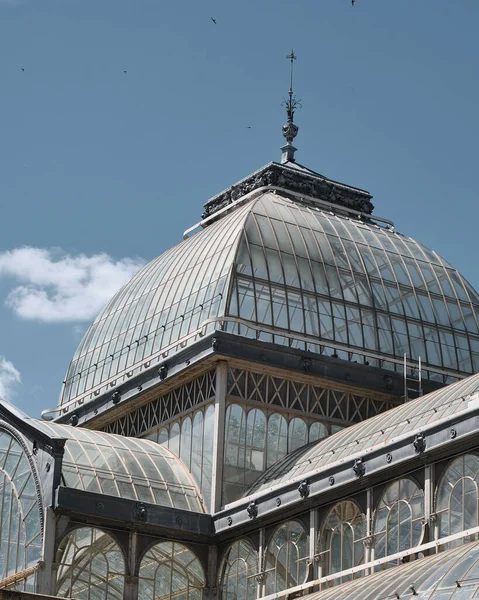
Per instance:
(290,129)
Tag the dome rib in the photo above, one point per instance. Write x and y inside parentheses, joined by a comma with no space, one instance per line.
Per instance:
(164,304)
(292,273)
(345,287)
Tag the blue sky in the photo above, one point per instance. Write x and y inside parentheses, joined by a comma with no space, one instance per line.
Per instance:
(102,170)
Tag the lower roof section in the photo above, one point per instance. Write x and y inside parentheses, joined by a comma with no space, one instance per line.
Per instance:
(451,575)
(114,465)
(379,431)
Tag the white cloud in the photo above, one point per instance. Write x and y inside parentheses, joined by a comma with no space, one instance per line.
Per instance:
(9,377)
(56,287)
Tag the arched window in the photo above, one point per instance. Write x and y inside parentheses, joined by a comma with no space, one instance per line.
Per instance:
(457,496)
(277,440)
(297,434)
(342,538)
(185,442)
(197,446)
(317,431)
(255,445)
(238,572)
(174,442)
(20,516)
(170,570)
(398,520)
(286,557)
(91,566)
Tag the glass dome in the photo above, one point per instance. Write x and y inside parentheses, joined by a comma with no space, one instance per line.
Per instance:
(286,272)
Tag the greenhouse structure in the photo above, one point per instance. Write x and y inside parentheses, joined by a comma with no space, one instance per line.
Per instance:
(285,404)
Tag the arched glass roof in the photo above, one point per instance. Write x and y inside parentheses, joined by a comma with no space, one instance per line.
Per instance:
(344,286)
(294,274)
(164,303)
(369,434)
(125,467)
(452,575)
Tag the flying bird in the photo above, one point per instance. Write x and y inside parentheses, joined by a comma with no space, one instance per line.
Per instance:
(124,71)
(353,2)
(248,126)
(214,20)
(23,69)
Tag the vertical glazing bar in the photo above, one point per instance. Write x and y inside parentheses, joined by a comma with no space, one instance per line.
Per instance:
(405,378)
(219,434)
(313,543)
(261,578)
(420,378)
(369,543)
(46,580)
(428,494)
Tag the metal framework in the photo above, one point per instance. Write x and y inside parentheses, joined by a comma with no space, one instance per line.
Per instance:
(312,279)
(165,408)
(306,398)
(21,511)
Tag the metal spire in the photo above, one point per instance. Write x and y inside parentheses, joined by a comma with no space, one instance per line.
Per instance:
(290,129)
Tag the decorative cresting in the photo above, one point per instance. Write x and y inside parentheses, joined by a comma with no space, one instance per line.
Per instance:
(21,511)
(90,565)
(296,178)
(170,570)
(290,129)
(239,571)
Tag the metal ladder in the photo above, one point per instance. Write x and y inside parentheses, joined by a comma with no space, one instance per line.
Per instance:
(412,385)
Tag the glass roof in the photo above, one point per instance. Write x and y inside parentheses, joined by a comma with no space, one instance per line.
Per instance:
(293,274)
(376,431)
(125,467)
(162,305)
(351,288)
(452,575)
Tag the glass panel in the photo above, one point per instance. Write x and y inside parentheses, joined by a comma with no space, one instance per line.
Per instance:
(398,519)
(137,469)
(286,558)
(170,570)
(91,566)
(168,299)
(20,519)
(238,572)
(457,496)
(341,538)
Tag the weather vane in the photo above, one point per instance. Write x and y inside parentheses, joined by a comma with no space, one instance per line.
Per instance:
(290,129)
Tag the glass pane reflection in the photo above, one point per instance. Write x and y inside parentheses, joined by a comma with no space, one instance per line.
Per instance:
(170,570)
(286,558)
(20,518)
(91,566)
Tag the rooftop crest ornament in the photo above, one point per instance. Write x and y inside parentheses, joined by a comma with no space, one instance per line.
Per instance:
(290,129)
